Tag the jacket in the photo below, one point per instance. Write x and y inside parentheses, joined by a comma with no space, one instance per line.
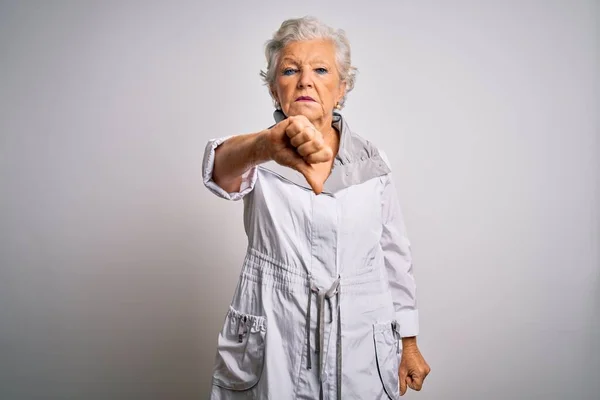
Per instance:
(326,289)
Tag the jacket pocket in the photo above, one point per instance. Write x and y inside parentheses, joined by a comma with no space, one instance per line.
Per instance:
(240,351)
(388,354)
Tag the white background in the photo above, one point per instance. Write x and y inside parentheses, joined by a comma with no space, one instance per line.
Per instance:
(117,265)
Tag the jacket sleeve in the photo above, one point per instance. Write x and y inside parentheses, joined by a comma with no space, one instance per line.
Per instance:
(208,164)
(398,261)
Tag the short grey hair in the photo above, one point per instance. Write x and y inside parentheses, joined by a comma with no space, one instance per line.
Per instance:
(309,28)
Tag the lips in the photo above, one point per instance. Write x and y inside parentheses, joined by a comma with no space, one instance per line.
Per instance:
(305,98)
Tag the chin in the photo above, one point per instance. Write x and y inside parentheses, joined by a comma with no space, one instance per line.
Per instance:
(310,113)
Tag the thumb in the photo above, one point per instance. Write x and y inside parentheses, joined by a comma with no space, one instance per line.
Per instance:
(315,184)
(310,174)
(279,128)
(403,378)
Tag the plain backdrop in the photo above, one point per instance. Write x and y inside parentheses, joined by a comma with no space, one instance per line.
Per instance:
(117,266)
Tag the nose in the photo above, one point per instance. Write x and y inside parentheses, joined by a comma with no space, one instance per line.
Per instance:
(305,79)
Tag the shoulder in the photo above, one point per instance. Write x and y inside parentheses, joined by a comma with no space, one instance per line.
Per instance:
(360,148)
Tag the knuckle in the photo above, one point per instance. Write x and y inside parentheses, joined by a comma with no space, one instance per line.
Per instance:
(294,123)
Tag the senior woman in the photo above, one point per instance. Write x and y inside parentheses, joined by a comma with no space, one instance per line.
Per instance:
(325,304)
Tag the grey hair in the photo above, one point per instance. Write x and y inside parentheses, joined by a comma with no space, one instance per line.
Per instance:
(309,28)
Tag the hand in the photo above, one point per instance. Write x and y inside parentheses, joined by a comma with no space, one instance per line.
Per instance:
(413,367)
(296,143)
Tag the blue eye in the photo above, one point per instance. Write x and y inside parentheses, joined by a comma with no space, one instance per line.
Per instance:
(289,71)
(321,71)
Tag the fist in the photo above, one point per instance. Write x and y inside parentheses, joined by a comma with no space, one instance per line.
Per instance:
(413,369)
(296,143)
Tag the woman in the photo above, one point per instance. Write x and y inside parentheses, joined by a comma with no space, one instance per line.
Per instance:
(325,304)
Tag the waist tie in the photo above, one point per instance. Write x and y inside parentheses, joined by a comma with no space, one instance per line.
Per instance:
(323,296)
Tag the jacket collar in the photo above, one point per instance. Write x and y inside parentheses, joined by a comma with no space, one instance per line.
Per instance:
(357,160)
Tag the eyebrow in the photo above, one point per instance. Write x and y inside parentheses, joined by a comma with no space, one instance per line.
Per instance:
(294,61)
(288,60)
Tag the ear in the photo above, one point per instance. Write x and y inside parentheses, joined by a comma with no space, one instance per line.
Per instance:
(273,93)
(342,91)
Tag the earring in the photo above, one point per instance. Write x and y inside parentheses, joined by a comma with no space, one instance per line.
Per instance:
(337,106)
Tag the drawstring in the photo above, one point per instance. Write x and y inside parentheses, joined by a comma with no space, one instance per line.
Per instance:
(308,357)
(339,348)
(322,296)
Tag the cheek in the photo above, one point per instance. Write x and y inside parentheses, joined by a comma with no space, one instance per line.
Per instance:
(285,90)
(334,89)
(327,95)
(330,90)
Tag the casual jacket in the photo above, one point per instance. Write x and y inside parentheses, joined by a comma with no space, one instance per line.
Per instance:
(326,289)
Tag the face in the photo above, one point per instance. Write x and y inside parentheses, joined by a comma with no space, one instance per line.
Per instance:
(307,80)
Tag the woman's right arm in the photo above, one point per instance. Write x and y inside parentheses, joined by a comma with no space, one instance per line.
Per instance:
(229,163)
(237,155)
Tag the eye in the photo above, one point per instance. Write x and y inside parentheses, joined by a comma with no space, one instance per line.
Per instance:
(289,71)
(321,71)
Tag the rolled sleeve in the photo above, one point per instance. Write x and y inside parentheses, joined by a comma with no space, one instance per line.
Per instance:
(398,261)
(208,164)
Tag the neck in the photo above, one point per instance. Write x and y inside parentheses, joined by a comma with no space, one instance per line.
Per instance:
(324,125)
(330,134)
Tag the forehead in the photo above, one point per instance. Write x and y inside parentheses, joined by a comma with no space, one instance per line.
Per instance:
(309,50)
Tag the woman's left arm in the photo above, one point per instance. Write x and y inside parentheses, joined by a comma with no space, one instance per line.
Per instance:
(398,264)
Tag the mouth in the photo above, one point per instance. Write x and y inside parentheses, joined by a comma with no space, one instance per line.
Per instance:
(305,98)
